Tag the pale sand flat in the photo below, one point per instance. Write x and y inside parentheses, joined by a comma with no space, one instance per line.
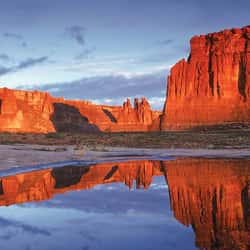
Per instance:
(16,156)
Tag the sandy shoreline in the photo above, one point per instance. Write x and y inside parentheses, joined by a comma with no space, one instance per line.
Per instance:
(25,156)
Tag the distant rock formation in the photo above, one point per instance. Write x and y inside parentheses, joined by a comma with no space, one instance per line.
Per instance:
(213,85)
(137,118)
(39,112)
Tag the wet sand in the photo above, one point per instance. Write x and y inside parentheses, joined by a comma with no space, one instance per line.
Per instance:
(22,156)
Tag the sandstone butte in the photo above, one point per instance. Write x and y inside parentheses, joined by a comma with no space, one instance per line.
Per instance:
(213,85)
(209,195)
(39,112)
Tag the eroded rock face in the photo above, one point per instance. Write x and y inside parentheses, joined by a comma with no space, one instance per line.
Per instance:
(39,112)
(213,85)
(24,111)
(137,118)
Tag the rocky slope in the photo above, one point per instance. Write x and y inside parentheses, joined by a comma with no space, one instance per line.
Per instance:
(39,112)
(213,85)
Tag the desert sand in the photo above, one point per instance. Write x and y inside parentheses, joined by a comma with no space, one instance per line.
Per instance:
(22,157)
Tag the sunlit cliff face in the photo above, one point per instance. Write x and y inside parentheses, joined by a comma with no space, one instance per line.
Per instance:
(39,112)
(213,85)
(210,195)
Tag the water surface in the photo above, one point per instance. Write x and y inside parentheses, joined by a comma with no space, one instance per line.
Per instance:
(179,204)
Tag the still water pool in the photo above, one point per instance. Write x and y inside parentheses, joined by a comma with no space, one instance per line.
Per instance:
(178,204)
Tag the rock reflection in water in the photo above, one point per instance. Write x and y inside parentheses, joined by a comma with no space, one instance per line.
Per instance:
(210,195)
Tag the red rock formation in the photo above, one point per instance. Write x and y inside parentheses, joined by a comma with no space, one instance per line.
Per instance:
(213,85)
(137,118)
(38,112)
(23,111)
(211,196)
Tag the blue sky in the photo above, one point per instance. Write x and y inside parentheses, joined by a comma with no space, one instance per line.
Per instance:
(104,50)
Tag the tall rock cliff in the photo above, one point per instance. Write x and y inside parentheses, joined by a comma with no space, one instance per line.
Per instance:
(213,85)
(39,112)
